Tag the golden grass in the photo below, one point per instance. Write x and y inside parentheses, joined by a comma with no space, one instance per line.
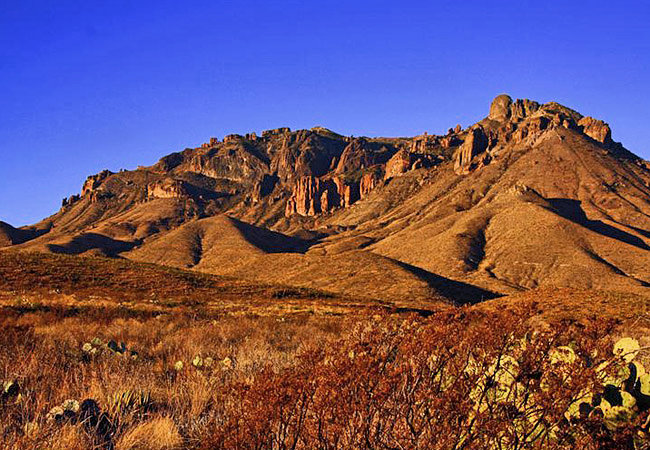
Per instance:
(156,434)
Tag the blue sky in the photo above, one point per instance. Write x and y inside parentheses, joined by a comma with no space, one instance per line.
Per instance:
(88,85)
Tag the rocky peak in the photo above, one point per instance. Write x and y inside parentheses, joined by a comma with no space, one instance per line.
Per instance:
(275,132)
(503,108)
(500,108)
(169,162)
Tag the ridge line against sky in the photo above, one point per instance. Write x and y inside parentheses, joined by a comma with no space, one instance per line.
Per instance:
(93,85)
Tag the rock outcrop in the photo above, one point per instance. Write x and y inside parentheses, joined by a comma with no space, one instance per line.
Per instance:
(503,108)
(167,188)
(476,143)
(94,181)
(368,182)
(264,187)
(400,163)
(312,196)
(360,154)
(596,129)
(69,201)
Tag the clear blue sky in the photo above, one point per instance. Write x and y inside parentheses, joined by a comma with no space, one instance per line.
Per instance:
(87,85)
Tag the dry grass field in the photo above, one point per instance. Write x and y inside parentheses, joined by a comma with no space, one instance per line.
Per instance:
(99,353)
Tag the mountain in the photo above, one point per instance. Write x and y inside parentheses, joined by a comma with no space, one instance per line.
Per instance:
(534,195)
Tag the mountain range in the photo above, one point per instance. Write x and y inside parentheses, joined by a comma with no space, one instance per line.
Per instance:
(533,195)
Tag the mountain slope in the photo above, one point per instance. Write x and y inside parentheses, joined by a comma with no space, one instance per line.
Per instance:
(225,246)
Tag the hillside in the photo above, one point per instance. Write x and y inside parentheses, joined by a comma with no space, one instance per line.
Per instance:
(534,195)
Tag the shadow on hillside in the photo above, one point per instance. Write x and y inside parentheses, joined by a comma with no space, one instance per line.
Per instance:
(641,231)
(457,291)
(93,241)
(17,236)
(571,210)
(272,241)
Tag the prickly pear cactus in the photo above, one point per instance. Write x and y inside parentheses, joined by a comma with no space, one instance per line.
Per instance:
(55,414)
(562,355)
(627,348)
(71,405)
(625,392)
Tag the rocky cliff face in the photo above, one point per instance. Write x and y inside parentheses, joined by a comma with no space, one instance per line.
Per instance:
(312,196)
(476,142)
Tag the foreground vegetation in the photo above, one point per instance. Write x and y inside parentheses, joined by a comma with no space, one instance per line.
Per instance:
(179,372)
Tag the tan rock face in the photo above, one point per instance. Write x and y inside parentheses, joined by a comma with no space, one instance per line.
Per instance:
(354,156)
(596,129)
(475,143)
(348,192)
(523,108)
(264,187)
(400,162)
(424,143)
(166,189)
(500,108)
(312,196)
(449,141)
(368,182)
